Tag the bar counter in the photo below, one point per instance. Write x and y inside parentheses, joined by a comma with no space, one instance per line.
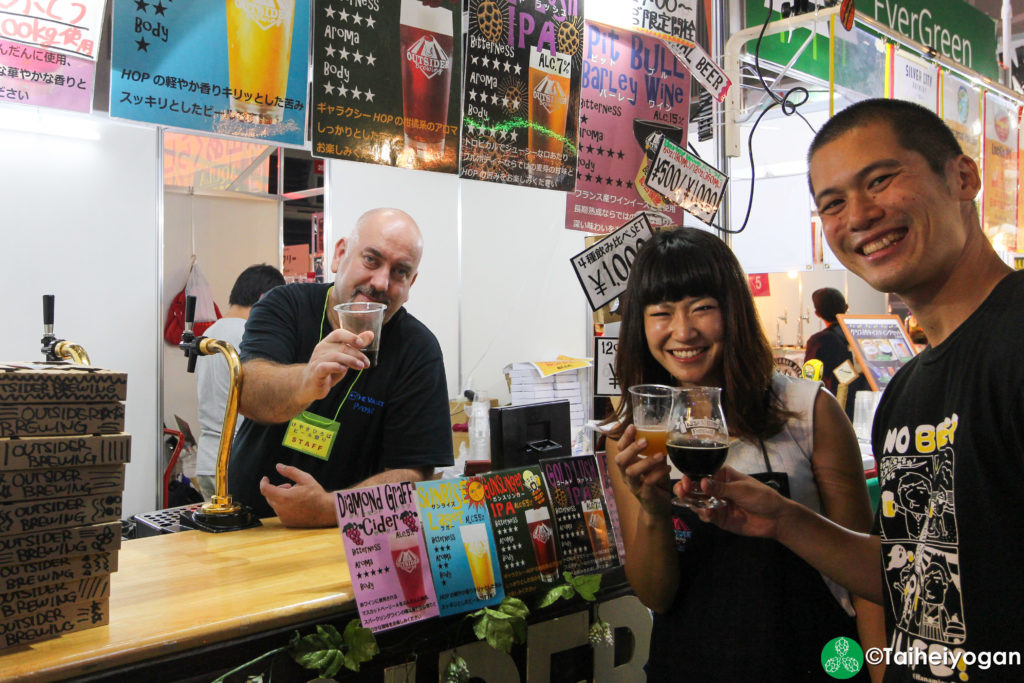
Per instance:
(186,591)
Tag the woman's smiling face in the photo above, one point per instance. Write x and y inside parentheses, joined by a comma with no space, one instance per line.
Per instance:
(687,338)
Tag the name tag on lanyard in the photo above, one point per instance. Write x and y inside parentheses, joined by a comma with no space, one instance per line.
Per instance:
(311,434)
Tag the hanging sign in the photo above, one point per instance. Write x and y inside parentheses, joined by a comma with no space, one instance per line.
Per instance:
(961,111)
(586,540)
(44,78)
(631,85)
(386,559)
(521,93)
(383,90)
(603,267)
(914,80)
(686,180)
(759,284)
(236,68)
(605,381)
(460,544)
(69,26)
(672,20)
(999,195)
(704,69)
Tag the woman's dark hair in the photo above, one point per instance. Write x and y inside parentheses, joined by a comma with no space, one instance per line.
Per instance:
(687,262)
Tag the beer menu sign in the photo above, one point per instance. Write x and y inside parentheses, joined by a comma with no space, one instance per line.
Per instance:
(586,540)
(523,528)
(521,92)
(460,544)
(632,86)
(383,86)
(385,554)
(237,68)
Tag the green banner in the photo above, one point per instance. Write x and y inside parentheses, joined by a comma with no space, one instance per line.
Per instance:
(953,28)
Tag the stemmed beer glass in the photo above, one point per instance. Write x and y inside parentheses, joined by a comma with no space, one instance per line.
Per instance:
(698,440)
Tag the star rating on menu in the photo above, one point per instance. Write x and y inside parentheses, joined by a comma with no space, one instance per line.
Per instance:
(340,58)
(513,105)
(143,25)
(373,572)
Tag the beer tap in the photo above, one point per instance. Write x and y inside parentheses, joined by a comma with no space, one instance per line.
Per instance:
(780,320)
(57,350)
(221,513)
(805,318)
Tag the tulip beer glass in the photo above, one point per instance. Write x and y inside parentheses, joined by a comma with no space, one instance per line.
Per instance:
(427,48)
(698,440)
(259,55)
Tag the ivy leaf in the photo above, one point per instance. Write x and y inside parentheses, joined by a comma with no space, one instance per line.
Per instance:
(318,651)
(514,607)
(586,585)
(565,591)
(362,646)
(503,626)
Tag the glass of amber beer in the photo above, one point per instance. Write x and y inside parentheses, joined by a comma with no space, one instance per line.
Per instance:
(597,532)
(478,552)
(427,47)
(259,54)
(550,74)
(652,405)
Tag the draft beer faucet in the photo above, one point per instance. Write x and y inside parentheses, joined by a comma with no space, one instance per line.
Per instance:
(805,318)
(56,350)
(780,320)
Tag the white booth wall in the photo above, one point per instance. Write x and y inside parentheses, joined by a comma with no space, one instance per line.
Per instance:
(81,221)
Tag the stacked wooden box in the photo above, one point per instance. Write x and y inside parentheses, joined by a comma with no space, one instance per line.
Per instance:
(62,458)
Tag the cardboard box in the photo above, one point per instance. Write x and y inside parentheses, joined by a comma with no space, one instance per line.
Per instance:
(28,601)
(36,515)
(60,482)
(64,451)
(55,570)
(61,419)
(60,383)
(53,543)
(54,622)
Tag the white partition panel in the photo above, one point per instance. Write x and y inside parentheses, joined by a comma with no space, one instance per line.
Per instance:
(80,221)
(432,200)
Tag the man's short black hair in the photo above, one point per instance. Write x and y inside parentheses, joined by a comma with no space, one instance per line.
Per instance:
(254,282)
(917,129)
(828,303)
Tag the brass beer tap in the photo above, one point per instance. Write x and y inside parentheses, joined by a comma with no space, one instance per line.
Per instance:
(221,513)
(57,350)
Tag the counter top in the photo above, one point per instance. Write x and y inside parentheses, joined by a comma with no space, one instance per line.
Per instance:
(186,590)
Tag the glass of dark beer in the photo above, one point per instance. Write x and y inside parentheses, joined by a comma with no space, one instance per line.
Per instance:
(427,50)
(698,440)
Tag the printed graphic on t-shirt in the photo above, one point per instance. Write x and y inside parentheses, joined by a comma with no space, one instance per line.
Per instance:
(920,551)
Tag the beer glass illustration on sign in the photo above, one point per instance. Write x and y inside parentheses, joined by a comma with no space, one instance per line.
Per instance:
(538,522)
(549,105)
(259,55)
(478,551)
(425,38)
(597,532)
(405,555)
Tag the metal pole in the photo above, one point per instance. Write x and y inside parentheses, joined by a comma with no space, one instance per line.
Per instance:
(719,34)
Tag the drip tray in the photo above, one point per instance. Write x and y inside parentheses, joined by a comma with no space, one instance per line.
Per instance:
(162,521)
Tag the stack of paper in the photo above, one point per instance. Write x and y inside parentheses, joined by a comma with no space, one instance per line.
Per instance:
(564,378)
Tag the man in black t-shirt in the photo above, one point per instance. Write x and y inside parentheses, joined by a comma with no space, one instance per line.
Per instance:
(896,196)
(302,370)
(830,345)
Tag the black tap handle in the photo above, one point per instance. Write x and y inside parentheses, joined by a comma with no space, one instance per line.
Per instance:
(47,309)
(190,311)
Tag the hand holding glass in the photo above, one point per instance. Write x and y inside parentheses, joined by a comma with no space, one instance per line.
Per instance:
(652,405)
(698,441)
(358,317)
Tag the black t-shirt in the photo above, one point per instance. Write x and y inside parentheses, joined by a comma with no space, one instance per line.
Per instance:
(395,416)
(831,348)
(949,434)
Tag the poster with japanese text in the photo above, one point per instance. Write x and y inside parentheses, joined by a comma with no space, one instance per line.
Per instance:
(586,539)
(673,21)
(237,68)
(43,78)
(386,557)
(999,195)
(631,86)
(72,27)
(914,80)
(386,82)
(603,267)
(523,529)
(961,110)
(460,544)
(521,94)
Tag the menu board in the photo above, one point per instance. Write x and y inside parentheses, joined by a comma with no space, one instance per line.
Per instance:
(385,554)
(44,78)
(586,539)
(523,528)
(521,92)
(383,90)
(880,344)
(631,86)
(237,68)
(460,544)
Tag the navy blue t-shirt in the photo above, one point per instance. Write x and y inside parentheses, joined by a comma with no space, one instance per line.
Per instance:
(396,414)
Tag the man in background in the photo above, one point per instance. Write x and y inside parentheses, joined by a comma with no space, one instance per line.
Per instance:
(213,378)
(830,345)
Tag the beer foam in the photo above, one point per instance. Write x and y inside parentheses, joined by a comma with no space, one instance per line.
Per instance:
(434,19)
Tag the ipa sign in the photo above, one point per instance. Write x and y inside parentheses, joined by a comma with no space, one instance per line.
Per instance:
(686,180)
(603,268)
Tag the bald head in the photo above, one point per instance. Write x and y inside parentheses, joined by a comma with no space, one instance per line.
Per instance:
(379,260)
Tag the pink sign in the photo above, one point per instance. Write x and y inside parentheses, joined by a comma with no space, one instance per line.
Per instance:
(71,26)
(42,78)
(632,86)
